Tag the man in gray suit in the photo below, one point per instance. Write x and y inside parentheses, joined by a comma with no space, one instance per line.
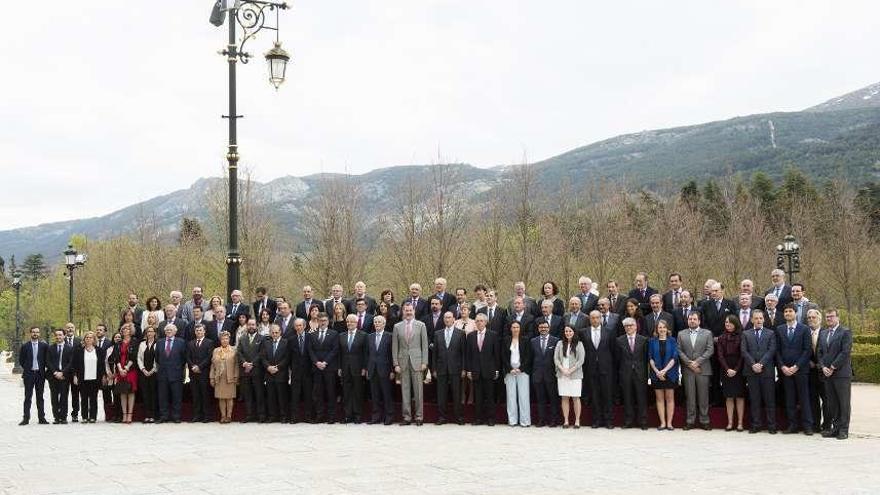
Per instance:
(695,348)
(575,318)
(409,351)
(758,350)
(835,348)
(607,315)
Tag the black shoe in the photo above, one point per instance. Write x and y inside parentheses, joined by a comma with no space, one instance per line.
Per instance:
(595,425)
(627,426)
(62,421)
(74,419)
(771,431)
(706,426)
(177,421)
(790,430)
(828,433)
(387,422)
(688,426)
(490,423)
(460,422)
(160,421)
(440,422)
(842,435)
(609,426)
(24,422)
(753,430)
(808,432)
(477,423)
(418,422)
(405,423)
(538,424)
(552,425)
(43,421)
(643,426)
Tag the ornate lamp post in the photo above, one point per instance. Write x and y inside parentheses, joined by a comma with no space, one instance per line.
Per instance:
(788,257)
(16,342)
(250,15)
(73,261)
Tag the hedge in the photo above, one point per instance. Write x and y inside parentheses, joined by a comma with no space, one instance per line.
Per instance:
(867,339)
(866,362)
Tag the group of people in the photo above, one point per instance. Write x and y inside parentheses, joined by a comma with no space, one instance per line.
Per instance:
(289,363)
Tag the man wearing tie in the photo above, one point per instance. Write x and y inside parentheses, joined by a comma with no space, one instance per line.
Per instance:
(632,352)
(575,318)
(599,370)
(672,298)
(285,319)
(446,299)
(32,359)
(818,400)
(409,353)
(759,351)
(608,318)
(448,356)
(324,356)
(75,343)
(264,302)
(695,348)
(496,314)
(104,343)
(353,369)
(302,309)
(521,314)
(745,311)
(835,351)
(251,375)
(219,325)
(556,322)
(198,361)
(235,308)
(301,383)
(793,349)
(656,315)
(420,305)
(616,300)
(681,314)
(59,362)
(483,358)
(802,305)
(363,319)
(779,289)
(170,361)
(380,372)
(585,297)
(543,377)
(642,292)
(274,358)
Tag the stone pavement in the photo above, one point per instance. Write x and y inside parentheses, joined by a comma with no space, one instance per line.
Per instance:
(216,459)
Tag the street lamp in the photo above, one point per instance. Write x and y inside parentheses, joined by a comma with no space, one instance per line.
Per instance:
(16,341)
(73,261)
(788,257)
(251,16)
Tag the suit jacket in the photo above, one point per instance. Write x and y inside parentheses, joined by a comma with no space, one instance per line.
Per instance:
(367,324)
(186,309)
(618,306)
(558,307)
(784,295)
(525,354)
(64,364)
(531,307)
(667,301)
(713,318)
(447,300)
(326,351)
(557,325)
(498,322)
(680,321)
(649,323)
(189,332)
(543,366)
(270,304)
(379,361)
(633,363)
(774,320)
(79,368)
(671,354)
(355,359)
(588,302)
(598,361)
(430,327)
(448,361)
(26,356)
(483,363)
(581,320)
(644,300)
(611,322)
(299,361)
(286,330)
(270,356)
(410,355)
(748,324)
(213,333)
(806,306)
(527,323)
(699,353)
(422,307)
(755,351)
(200,355)
(170,367)
(302,311)
(243,309)
(836,352)
(351,302)
(179,322)
(794,351)
(250,353)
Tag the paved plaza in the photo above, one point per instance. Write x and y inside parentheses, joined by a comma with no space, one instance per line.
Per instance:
(105,458)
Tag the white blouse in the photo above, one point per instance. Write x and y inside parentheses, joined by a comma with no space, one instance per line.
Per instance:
(90,363)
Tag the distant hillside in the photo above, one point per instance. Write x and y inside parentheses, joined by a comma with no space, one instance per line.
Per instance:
(838,138)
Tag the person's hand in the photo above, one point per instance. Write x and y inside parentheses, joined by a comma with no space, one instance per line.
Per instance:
(793,369)
(363,372)
(195,369)
(213,382)
(123,372)
(731,373)
(827,371)
(75,380)
(470,375)
(58,375)
(497,374)
(423,367)
(391,376)
(339,372)
(463,374)
(397,369)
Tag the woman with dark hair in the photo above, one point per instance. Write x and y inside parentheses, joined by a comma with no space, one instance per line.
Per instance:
(264,323)
(124,362)
(569,359)
(480,293)
(387,297)
(631,310)
(313,322)
(663,361)
(146,359)
(550,292)
(730,359)
(516,365)
(128,319)
(154,307)
(241,326)
(386,311)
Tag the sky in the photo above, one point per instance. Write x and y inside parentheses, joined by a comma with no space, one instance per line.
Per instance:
(108,103)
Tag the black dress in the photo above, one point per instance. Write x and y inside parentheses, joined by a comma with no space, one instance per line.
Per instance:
(729,356)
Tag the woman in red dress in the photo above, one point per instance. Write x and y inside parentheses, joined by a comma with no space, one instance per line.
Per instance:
(124,359)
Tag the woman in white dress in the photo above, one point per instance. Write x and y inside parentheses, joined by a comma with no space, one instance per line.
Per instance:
(569,359)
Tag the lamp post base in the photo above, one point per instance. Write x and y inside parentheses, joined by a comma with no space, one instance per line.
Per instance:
(16,368)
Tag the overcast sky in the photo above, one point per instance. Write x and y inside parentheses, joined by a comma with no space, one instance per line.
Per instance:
(107,103)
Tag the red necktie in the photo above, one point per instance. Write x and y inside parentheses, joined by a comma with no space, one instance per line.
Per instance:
(360,321)
(167,347)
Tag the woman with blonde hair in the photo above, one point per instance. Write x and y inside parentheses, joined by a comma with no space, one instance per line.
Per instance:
(224,376)
(88,366)
(215,302)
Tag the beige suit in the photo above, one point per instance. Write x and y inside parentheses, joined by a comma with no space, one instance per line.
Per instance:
(411,354)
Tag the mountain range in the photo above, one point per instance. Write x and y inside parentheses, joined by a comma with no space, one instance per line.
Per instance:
(839,137)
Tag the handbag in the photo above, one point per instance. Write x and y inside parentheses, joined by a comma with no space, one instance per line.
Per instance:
(122,387)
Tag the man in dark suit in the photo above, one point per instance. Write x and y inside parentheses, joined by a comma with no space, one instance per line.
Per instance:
(440,292)
(104,343)
(483,358)
(285,319)
(716,309)
(656,315)
(835,360)
(744,311)
(75,343)
(616,300)
(448,356)
(352,369)
(779,288)
(220,324)
(587,299)
(460,300)
(793,349)
(198,360)
(32,359)
(264,302)
(543,376)
(171,318)
(818,400)
(632,356)
(575,318)
(801,304)
(530,306)
(672,297)
(59,362)
(189,332)
(138,313)
(274,357)
(434,319)
(759,351)
(773,312)
(642,292)
(607,317)
(746,286)
(521,314)
(380,372)
(171,361)
(681,314)
(301,383)
(302,309)
(324,355)
(235,308)
(421,306)
(599,369)
(360,292)
(251,373)
(363,317)
(336,297)
(497,316)
(556,322)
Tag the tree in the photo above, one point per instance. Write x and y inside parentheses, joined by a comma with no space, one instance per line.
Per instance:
(526,234)
(34,268)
